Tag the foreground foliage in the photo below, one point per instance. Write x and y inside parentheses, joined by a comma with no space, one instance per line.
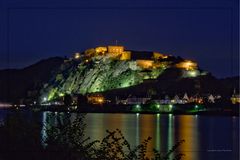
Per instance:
(66,140)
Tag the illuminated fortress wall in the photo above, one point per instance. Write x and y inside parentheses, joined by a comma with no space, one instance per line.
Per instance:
(114,52)
(157,55)
(100,50)
(187,65)
(126,55)
(115,49)
(118,52)
(146,64)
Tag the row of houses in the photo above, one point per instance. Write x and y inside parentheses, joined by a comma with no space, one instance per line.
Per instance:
(169,100)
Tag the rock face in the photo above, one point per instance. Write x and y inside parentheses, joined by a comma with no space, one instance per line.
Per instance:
(99,74)
(57,76)
(104,69)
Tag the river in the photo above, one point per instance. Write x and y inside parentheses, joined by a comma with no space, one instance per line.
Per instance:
(206,137)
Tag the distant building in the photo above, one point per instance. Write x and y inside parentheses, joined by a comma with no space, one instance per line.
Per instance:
(187,65)
(177,100)
(126,55)
(132,100)
(100,50)
(211,99)
(145,64)
(136,100)
(235,98)
(116,52)
(185,98)
(167,100)
(145,59)
(95,99)
(157,56)
(196,99)
(115,49)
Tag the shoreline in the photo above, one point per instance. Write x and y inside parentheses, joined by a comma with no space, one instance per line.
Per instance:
(204,113)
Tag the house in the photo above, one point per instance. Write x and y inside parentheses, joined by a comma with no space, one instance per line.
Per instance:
(211,99)
(235,98)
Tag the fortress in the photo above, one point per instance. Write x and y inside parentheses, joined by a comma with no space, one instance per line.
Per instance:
(117,52)
(145,60)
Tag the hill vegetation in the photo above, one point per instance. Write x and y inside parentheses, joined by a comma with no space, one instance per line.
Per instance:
(55,77)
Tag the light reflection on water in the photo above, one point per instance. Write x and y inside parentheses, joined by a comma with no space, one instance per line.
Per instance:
(188,128)
(201,133)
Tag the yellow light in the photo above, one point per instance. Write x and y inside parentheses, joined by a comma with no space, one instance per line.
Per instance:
(157,55)
(188,65)
(77,55)
(145,63)
(118,49)
(100,100)
(235,100)
(96,99)
(101,50)
(61,94)
(125,55)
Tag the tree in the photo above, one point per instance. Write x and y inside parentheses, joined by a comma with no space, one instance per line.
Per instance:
(67,100)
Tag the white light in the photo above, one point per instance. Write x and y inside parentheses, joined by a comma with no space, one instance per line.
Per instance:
(196,106)
(44,99)
(138,106)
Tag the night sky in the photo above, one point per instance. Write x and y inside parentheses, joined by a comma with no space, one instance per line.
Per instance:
(201,30)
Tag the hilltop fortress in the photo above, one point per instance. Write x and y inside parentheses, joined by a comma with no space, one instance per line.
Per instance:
(111,67)
(116,52)
(145,60)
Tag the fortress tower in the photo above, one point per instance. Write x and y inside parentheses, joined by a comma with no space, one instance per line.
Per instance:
(117,52)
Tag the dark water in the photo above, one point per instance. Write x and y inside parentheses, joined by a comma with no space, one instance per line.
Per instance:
(206,137)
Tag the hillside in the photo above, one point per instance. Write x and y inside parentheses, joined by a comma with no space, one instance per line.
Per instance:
(163,86)
(140,75)
(17,84)
(92,72)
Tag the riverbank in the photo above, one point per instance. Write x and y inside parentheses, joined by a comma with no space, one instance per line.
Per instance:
(189,109)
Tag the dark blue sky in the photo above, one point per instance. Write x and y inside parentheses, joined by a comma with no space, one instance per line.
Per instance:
(202,30)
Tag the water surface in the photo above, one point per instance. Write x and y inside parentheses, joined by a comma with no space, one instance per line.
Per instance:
(206,137)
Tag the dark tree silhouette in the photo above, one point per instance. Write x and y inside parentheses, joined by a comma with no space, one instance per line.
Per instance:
(67,100)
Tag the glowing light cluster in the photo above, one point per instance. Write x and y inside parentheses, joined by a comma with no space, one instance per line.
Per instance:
(96,99)
(187,65)
(191,73)
(101,49)
(235,99)
(126,55)
(157,55)
(146,64)
(115,49)
(77,55)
